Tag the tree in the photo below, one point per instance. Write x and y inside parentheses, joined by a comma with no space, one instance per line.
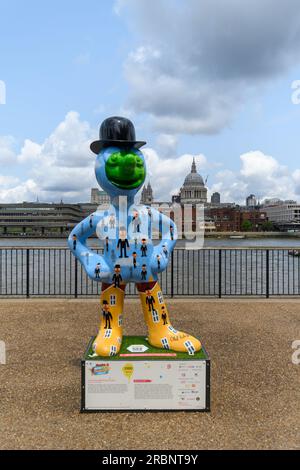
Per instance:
(268,226)
(247,226)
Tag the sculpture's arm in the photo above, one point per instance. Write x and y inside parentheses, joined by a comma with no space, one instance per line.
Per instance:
(168,241)
(87,257)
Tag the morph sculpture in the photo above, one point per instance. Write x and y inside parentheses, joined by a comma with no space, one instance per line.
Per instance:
(129,252)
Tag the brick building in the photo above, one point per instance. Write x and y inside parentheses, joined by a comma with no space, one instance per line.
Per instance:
(256,218)
(226,219)
(232,219)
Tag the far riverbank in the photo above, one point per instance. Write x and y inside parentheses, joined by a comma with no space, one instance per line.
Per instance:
(253,235)
(219,241)
(209,235)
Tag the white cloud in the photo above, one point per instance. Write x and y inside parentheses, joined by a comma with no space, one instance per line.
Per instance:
(8,181)
(67,146)
(30,152)
(167,174)
(257,163)
(60,167)
(63,166)
(7,153)
(296,179)
(22,191)
(259,174)
(69,143)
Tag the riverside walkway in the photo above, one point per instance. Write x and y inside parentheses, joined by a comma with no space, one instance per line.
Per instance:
(255,385)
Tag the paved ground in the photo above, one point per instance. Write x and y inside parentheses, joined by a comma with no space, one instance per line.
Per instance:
(255,386)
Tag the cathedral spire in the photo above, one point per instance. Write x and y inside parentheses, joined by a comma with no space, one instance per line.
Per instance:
(147,194)
(194,169)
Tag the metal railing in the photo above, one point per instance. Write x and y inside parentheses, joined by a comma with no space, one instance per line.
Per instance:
(218,272)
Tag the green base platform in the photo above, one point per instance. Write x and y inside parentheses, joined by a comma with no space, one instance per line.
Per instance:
(145,378)
(129,341)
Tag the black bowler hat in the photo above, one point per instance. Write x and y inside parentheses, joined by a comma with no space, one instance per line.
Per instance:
(116,131)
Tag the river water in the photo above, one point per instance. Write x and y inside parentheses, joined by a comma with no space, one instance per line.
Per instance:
(208,243)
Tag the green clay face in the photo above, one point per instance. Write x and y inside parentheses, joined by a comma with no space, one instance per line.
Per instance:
(125,170)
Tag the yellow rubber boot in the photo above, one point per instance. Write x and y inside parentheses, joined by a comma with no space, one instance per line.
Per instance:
(109,338)
(161,333)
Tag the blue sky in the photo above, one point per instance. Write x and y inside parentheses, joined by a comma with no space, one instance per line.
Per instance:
(193,83)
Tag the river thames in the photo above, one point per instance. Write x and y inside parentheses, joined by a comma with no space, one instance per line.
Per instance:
(276,242)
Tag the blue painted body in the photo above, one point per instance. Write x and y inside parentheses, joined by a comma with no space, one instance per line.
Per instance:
(123,212)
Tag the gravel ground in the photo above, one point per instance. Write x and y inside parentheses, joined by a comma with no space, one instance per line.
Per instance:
(255,386)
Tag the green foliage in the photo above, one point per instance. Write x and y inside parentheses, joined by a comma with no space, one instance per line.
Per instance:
(268,226)
(247,226)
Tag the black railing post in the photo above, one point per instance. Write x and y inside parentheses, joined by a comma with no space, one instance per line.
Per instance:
(27,273)
(0,272)
(220,274)
(267,274)
(172,274)
(76,279)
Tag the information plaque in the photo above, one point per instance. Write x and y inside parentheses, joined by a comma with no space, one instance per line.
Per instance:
(144,378)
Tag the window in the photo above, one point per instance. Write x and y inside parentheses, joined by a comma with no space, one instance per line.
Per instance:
(120,320)
(160,297)
(107,334)
(112,300)
(155,316)
(190,347)
(165,343)
(170,328)
(113,350)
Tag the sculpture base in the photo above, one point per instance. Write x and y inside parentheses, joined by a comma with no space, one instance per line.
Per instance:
(143,378)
